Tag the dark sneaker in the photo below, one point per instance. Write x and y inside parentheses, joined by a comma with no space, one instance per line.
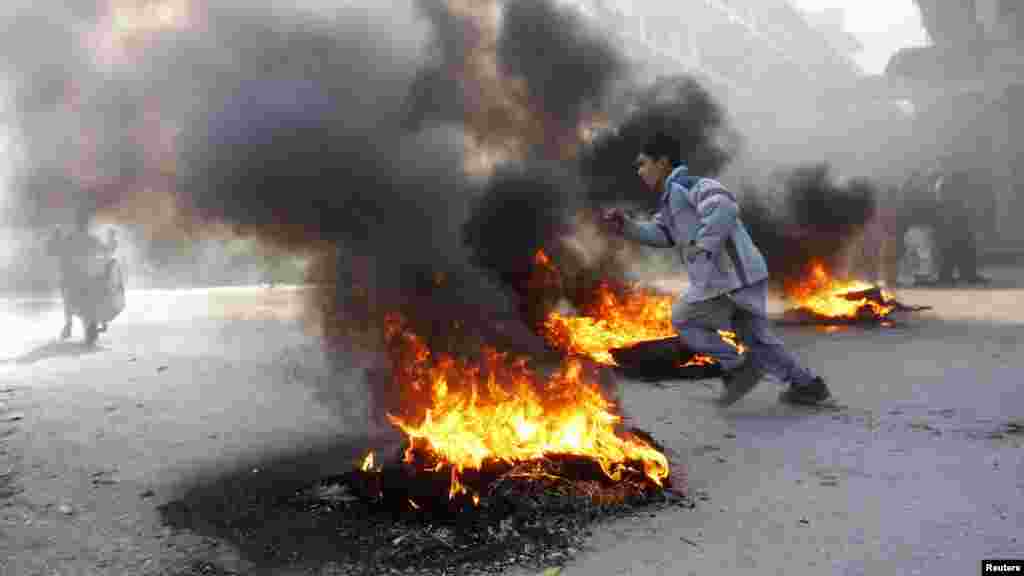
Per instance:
(812,394)
(739,382)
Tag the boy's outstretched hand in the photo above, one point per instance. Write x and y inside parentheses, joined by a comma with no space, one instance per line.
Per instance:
(614,219)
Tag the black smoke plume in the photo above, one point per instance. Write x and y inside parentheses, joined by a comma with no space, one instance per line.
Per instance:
(309,140)
(678,106)
(537,209)
(552,74)
(522,83)
(438,93)
(305,146)
(523,210)
(568,68)
(813,221)
(295,128)
(291,131)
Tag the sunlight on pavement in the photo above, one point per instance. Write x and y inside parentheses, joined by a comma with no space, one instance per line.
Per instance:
(27,322)
(31,322)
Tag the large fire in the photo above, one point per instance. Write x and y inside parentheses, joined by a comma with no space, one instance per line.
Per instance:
(499,409)
(825,296)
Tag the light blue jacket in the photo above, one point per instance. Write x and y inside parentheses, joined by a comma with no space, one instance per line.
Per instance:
(700,218)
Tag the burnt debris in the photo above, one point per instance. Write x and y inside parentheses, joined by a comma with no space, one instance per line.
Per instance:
(398,517)
(663,359)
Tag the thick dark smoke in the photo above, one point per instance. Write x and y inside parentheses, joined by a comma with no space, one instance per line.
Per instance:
(568,73)
(328,134)
(814,221)
(290,131)
(521,211)
(566,65)
(568,68)
(678,106)
(438,95)
(297,138)
(522,83)
(536,210)
(305,144)
(329,157)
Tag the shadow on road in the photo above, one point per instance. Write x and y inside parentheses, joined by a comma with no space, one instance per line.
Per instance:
(250,506)
(54,349)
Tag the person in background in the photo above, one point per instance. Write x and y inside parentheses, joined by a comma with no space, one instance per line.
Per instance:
(75,251)
(915,230)
(956,238)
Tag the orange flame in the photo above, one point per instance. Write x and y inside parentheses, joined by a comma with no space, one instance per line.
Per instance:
(824,295)
(618,321)
(498,409)
(368,463)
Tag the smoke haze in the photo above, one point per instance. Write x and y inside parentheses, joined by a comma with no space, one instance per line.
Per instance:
(814,223)
(344,135)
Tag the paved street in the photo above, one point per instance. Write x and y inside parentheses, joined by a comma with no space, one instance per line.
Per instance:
(917,475)
(184,382)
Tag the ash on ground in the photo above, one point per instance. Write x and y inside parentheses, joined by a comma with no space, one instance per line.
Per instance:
(535,514)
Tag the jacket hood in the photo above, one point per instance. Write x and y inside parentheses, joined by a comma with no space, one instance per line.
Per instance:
(679,175)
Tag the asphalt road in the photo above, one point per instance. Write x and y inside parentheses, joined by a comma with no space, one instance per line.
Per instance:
(917,474)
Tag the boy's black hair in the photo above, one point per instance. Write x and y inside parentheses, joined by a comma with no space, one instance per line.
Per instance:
(661,144)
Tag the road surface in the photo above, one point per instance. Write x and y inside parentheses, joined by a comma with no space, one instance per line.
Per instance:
(916,475)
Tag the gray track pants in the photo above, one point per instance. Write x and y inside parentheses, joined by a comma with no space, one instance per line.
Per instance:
(698,324)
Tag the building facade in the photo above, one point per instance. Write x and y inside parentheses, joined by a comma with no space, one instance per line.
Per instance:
(788,84)
(968,88)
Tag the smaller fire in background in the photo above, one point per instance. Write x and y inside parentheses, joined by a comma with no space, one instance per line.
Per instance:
(621,317)
(821,295)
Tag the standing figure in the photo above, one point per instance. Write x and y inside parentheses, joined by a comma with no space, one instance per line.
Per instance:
(956,238)
(727,273)
(78,252)
(916,230)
